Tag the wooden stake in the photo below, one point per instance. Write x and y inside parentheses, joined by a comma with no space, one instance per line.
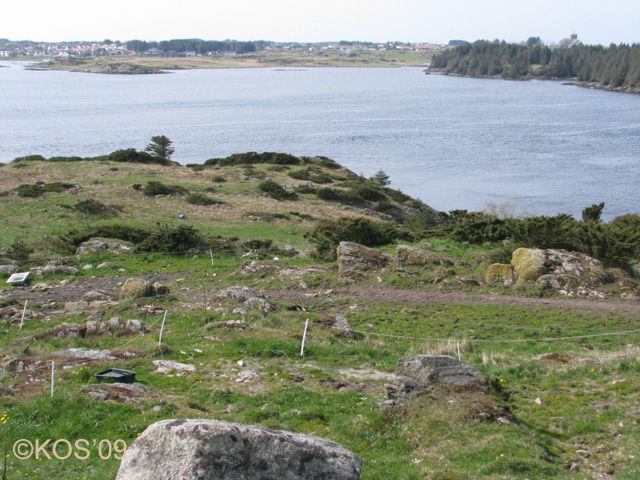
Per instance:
(53,368)
(211,252)
(304,337)
(459,357)
(162,328)
(24,310)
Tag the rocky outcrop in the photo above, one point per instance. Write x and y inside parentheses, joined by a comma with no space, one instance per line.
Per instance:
(353,256)
(97,245)
(407,256)
(53,269)
(417,375)
(528,264)
(191,449)
(248,299)
(9,269)
(499,273)
(166,366)
(570,273)
(140,288)
(119,392)
(340,323)
(85,354)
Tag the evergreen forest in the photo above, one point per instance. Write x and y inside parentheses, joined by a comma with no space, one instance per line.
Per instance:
(615,66)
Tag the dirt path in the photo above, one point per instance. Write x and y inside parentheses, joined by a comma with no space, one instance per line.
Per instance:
(359,294)
(352,293)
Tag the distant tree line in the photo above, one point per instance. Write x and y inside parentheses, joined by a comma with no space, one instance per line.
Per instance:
(614,66)
(194,45)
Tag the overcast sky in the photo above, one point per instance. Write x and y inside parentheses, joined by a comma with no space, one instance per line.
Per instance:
(595,21)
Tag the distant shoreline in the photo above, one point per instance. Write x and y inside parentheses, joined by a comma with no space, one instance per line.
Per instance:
(141,64)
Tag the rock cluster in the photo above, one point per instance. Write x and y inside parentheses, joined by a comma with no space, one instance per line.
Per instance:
(248,299)
(140,288)
(568,272)
(417,375)
(191,449)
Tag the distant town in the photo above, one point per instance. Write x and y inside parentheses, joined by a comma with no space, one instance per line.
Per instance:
(194,47)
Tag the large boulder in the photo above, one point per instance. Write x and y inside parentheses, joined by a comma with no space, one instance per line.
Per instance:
(499,273)
(417,375)
(199,449)
(559,269)
(353,256)
(412,256)
(136,288)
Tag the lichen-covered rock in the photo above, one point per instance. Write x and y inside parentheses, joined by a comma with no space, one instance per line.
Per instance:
(353,256)
(136,288)
(119,392)
(572,273)
(416,375)
(411,256)
(193,449)
(499,273)
(528,264)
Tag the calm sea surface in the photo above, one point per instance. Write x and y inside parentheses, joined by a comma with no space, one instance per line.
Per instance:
(452,142)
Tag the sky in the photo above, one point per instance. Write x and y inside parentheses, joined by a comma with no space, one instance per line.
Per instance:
(595,21)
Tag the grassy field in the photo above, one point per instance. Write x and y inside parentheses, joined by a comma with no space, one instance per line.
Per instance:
(572,415)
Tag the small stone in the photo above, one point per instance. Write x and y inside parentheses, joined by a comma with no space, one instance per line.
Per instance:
(157,408)
(88,267)
(538,401)
(241,363)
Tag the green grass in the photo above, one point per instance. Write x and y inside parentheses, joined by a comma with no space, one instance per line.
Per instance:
(561,409)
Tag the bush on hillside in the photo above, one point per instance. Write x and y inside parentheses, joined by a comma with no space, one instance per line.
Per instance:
(328,234)
(201,199)
(167,239)
(154,188)
(276,191)
(251,158)
(94,207)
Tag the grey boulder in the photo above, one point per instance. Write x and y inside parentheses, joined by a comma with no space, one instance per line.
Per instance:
(199,449)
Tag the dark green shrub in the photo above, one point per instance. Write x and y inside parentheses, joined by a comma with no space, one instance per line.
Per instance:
(276,191)
(305,189)
(201,199)
(19,250)
(170,239)
(373,194)
(321,178)
(397,195)
(154,188)
(136,186)
(94,207)
(68,159)
(251,158)
(328,234)
(423,219)
(219,179)
(196,167)
(301,174)
(334,195)
(327,163)
(30,191)
(383,206)
(131,155)
(30,158)
(57,187)
(543,232)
